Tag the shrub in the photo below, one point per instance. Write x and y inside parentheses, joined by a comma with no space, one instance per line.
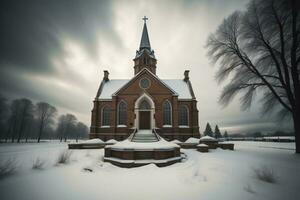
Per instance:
(266,174)
(38,164)
(64,157)
(7,167)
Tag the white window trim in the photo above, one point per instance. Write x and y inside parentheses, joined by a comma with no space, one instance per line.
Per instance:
(183,126)
(122,126)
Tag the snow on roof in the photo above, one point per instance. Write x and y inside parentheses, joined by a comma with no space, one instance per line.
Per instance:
(192,140)
(178,85)
(111,86)
(207,138)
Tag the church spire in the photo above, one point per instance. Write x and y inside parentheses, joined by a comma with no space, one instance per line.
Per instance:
(145,57)
(145,43)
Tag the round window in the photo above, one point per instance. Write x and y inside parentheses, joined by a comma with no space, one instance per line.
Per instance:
(144,83)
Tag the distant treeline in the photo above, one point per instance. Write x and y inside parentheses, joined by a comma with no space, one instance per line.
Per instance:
(217,133)
(260,134)
(22,120)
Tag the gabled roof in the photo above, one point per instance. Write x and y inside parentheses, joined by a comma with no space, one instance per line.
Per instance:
(145,70)
(110,88)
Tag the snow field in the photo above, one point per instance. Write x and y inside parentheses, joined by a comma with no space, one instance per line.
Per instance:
(219,174)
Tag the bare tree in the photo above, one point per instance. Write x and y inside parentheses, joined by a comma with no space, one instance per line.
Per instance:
(260,49)
(80,131)
(66,125)
(61,127)
(14,119)
(26,113)
(71,121)
(4,112)
(45,114)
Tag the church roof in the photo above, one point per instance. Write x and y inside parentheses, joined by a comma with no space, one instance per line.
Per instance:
(179,86)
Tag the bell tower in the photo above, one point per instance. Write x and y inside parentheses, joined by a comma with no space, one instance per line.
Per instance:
(145,55)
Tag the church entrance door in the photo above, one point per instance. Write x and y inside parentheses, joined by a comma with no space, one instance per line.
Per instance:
(144,119)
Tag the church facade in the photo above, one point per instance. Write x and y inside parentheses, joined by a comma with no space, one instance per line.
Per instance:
(145,101)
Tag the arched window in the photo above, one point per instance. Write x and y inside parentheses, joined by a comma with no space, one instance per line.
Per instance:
(183,116)
(106,113)
(167,113)
(122,113)
(144,105)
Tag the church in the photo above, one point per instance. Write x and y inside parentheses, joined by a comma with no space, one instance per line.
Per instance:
(166,106)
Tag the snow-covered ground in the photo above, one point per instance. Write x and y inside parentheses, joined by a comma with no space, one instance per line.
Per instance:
(219,174)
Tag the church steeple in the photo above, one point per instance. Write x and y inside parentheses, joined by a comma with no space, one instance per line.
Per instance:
(145,43)
(145,55)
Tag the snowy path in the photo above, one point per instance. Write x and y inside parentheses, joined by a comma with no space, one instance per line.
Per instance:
(216,175)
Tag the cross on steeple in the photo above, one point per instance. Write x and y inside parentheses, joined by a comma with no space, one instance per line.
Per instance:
(145,18)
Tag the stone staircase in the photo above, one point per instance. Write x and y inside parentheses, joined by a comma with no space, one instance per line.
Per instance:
(144,136)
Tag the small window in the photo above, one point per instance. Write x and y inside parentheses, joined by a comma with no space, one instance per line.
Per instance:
(167,112)
(183,116)
(144,83)
(122,113)
(106,113)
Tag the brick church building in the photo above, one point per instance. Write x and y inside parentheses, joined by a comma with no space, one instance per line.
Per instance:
(145,101)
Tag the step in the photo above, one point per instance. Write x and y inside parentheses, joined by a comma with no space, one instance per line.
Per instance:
(142,136)
(144,140)
(138,138)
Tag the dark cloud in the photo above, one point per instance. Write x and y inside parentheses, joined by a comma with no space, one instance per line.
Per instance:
(31,30)
(32,34)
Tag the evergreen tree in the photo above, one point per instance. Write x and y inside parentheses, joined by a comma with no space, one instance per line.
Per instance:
(225,134)
(208,130)
(217,132)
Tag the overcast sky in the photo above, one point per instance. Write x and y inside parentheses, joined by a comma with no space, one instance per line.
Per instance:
(56,51)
